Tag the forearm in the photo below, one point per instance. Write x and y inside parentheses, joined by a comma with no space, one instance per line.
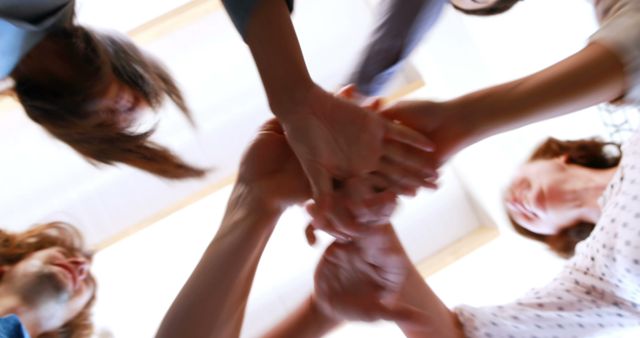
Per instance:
(212,302)
(277,54)
(307,321)
(426,315)
(591,76)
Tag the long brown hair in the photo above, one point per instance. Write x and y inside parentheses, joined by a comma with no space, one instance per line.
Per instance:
(590,153)
(14,247)
(55,90)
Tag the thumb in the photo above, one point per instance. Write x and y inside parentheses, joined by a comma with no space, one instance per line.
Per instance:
(321,184)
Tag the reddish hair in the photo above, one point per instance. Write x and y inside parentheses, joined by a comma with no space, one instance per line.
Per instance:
(14,247)
(591,153)
(80,64)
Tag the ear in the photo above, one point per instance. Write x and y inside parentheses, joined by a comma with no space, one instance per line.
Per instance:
(564,158)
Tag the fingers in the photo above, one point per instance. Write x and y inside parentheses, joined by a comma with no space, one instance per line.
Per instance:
(376,210)
(321,183)
(411,158)
(398,132)
(322,222)
(310,235)
(272,125)
(347,92)
(401,180)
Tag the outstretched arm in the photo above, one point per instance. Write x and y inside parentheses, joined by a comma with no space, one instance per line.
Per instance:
(213,300)
(332,138)
(593,75)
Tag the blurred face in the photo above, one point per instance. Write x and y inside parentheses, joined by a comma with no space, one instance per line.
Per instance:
(544,196)
(53,283)
(118,103)
(472,4)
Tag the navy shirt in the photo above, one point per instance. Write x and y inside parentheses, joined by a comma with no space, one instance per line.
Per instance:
(240,12)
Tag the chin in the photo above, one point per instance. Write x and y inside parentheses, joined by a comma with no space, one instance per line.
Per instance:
(45,287)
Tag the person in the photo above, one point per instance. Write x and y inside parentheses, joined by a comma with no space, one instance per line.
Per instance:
(400,26)
(270,179)
(334,139)
(553,198)
(87,88)
(46,288)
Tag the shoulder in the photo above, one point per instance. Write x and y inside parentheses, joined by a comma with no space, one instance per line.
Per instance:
(36,14)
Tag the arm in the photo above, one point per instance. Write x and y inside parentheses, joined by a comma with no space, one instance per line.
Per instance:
(331,137)
(593,75)
(307,321)
(212,302)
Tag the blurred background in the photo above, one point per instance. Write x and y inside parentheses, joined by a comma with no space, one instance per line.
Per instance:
(149,232)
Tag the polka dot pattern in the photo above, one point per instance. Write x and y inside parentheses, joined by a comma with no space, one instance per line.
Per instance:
(598,292)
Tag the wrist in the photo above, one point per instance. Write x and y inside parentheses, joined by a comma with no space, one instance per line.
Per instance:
(289,102)
(249,201)
(466,126)
(321,318)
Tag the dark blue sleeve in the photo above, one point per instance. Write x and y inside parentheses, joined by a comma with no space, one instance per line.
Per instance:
(400,26)
(11,327)
(240,12)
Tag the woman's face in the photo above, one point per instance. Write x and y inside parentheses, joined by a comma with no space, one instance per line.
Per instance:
(118,103)
(544,196)
(472,4)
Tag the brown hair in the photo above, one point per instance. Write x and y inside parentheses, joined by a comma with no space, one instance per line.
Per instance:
(500,6)
(14,247)
(590,153)
(80,64)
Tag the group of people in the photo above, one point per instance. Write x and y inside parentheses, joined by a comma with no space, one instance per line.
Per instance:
(347,162)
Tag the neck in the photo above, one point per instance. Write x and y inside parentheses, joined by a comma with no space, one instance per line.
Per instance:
(598,179)
(10,304)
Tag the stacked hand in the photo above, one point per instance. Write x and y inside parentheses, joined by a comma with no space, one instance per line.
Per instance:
(366,280)
(337,141)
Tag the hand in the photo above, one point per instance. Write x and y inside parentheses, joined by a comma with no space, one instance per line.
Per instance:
(335,139)
(441,122)
(373,207)
(364,280)
(270,168)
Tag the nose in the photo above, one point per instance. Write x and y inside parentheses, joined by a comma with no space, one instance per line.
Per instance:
(81,265)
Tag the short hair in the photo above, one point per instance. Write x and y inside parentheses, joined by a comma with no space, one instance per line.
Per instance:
(55,94)
(498,7)
(590,153)
(16,246)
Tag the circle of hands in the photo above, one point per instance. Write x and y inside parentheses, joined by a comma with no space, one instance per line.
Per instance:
(350,188)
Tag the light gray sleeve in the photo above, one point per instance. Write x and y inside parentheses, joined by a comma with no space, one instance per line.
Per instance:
(240,11)
(621,34)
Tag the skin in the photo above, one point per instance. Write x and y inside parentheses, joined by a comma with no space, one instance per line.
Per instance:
(591,76)
(46,289)
(270,180)
(331,137)
(119,103)
(546,196)
(370,279)
(472,4)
